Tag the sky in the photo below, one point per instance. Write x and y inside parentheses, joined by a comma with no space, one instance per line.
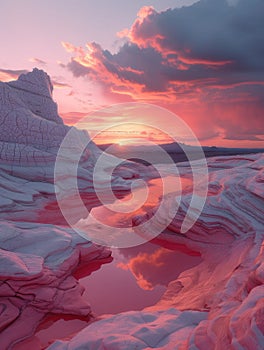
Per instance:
(202,60)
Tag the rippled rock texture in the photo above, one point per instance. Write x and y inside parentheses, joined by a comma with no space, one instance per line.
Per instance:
(37,258)
(219,303)
(215,305)
(31,133)
(36,266)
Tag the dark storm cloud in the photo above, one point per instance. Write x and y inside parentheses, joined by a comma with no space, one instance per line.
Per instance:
(211,30)
(209,53)
(77,69)
(208,40)
(205,33)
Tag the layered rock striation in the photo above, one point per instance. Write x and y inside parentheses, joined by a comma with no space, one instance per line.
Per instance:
(219,303)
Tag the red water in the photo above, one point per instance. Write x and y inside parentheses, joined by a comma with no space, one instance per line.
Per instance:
(136,278)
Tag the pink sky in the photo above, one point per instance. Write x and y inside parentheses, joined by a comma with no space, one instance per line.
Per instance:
(207,69)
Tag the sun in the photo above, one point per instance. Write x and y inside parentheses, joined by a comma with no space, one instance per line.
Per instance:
(122,143)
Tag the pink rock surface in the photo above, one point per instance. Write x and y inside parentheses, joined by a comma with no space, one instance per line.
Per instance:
(219,303)
(215,305)
(34,89)
(37,259)
(36,266)
(30,136)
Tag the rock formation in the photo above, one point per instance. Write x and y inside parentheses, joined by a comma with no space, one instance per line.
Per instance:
(37,258)
(219,303)
(215,305)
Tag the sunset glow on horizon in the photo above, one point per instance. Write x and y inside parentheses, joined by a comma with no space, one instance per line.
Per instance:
(201,60)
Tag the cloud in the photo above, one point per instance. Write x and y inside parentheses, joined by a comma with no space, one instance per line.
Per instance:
(77,68)
(232,2)
(207,55)
(214,40)
(10,74)
(58,85)
(71,118)
(38,61)
(159,266)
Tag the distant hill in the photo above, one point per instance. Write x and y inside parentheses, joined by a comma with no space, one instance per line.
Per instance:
(174,150)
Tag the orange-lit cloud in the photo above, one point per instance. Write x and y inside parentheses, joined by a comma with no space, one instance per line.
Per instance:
(71,118)
(158,267)
(202,66)
(10,74)
(71,48)
(58,85)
